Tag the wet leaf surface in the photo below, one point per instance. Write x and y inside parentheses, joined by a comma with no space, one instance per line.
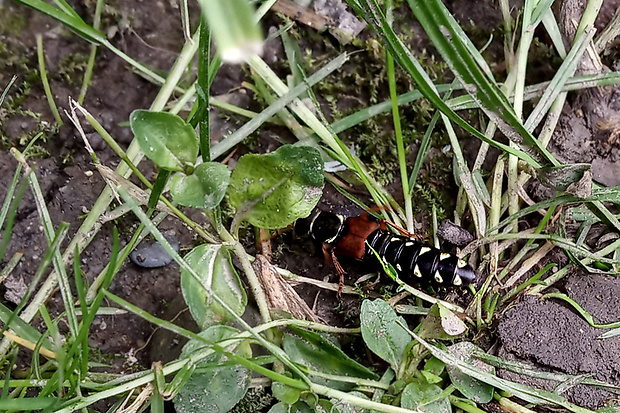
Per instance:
(274,190)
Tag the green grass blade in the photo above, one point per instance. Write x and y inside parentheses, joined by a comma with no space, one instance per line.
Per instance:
(203,87)
(48,230)
(464,61)
(6,89)
(586,316)
(249,127)
(404,57)
(9,209)
(551,25)
(598,195)
(528,370)
(521,391)
(66,7)
(46,84)
(466,102)
(45,262)
(69,19)
(561,77)
(21,328)
(23,404)
(90,65)
(158,187)
(611,333)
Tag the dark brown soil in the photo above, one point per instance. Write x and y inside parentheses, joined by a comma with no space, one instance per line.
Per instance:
(550,335)
(545,333)
(71,189)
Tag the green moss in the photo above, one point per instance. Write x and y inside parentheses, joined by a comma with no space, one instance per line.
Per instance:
(363,82)
(434,197)
(43,130)
(12,61)
(72,67)
(11,21)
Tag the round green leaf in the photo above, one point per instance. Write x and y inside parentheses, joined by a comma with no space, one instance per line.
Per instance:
(274,190)
(212,264)
(166,139)
(204,188)
(217,390)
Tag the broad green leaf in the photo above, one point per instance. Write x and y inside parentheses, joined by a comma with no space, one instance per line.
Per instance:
(166,139)
(284,393)
(473,389)
(70,20)
(318,353)
(280,408)
(430,377)
(434,365)
(204,188)
(274,190)
(405,58)
(417,393)
(212,264)
(382,334)
(215,388)
(433,368)
(326,406)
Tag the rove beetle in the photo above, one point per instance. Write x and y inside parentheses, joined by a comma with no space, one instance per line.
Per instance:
(361,236)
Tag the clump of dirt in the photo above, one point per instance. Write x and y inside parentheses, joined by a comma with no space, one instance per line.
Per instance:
(556,338)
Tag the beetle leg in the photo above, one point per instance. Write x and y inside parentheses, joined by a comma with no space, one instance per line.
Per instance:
(330,255)
(340,272)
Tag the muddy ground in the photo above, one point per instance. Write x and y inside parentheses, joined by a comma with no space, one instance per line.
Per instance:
(546,333)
